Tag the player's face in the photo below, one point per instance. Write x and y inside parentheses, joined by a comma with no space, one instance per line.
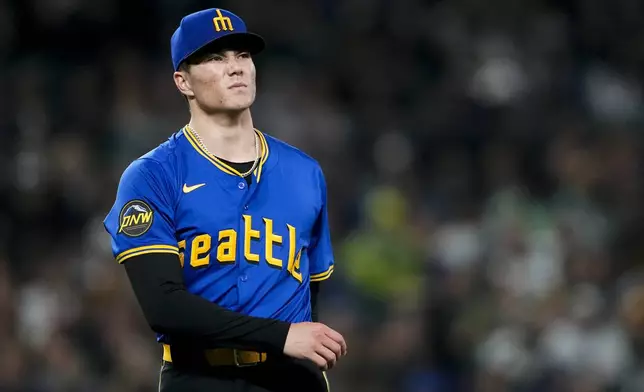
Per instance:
(223,81)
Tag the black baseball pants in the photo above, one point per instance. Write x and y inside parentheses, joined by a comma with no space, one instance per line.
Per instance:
(274,375)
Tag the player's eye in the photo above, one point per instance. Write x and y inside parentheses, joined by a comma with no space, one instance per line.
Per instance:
(215,57)
(244,55)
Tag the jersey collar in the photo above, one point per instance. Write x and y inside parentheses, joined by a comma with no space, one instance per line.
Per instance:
(221,165)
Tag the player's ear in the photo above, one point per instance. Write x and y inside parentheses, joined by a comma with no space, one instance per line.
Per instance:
(182,81)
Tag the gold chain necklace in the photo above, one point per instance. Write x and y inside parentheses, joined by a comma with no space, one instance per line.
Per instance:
(203,146)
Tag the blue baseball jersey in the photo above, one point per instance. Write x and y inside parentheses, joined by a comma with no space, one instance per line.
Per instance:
(251,249)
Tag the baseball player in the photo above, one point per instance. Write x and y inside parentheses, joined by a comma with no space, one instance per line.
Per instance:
(223,231)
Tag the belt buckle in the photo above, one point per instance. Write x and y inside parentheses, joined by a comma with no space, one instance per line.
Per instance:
(238,363)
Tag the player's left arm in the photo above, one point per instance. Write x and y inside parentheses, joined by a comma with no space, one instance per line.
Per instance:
(320,251)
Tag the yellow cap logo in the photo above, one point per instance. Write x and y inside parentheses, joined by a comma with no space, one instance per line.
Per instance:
(222,22)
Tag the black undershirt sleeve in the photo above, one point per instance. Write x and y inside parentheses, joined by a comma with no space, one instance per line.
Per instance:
(157,282)
(315,292)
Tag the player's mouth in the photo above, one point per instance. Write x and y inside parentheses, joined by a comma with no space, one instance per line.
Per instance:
(237,85)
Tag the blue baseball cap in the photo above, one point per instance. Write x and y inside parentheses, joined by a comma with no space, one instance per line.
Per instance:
(203,28)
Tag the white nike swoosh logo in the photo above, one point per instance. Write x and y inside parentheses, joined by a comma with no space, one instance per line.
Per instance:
(188,189)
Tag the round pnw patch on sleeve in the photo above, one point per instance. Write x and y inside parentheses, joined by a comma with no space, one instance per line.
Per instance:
(136,218)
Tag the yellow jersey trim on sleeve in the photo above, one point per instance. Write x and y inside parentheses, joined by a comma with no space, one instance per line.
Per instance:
(141,250)
(323,275)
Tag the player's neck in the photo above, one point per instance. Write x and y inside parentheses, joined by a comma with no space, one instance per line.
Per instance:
(227,136)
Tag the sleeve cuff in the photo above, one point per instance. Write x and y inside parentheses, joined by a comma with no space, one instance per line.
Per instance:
(322,275)
(276,336)
(142,250)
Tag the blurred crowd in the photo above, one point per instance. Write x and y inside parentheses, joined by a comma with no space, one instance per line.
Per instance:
(484,168)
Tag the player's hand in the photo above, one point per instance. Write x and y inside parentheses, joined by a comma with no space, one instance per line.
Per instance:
(315,342)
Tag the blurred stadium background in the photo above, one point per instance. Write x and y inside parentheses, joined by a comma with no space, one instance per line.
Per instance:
(484,170)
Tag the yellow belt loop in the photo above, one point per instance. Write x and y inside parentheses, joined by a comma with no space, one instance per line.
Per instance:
(166,353)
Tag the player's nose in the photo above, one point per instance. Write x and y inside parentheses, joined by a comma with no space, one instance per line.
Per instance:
(234,67)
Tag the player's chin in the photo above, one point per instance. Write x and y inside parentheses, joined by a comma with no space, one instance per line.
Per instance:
(239,102)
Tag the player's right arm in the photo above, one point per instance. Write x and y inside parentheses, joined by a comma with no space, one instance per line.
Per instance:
(143,240)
